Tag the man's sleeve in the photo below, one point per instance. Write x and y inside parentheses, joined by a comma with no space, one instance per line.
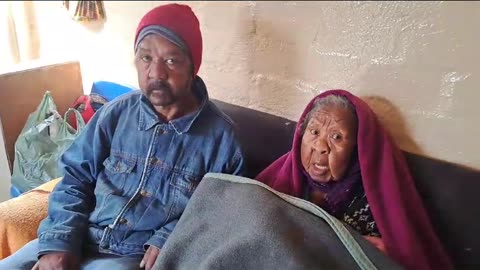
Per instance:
(161,235)
(238,166)
(72,200)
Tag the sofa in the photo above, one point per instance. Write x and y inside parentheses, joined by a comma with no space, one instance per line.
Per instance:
(449,190)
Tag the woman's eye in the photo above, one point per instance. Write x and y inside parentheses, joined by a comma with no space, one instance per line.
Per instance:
(336,136)
(313,131)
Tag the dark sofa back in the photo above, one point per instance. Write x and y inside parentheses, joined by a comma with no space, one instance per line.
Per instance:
(450,192)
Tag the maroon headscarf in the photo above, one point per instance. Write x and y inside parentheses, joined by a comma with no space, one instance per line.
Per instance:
(390,189)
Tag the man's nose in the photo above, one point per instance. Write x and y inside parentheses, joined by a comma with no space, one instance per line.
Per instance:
(158,71)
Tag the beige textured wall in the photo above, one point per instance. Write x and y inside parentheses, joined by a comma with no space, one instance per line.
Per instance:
(417,63)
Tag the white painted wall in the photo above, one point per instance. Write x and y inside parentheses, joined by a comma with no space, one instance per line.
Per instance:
(4,170)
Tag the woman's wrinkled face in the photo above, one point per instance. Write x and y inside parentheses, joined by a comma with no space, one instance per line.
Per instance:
(328,143)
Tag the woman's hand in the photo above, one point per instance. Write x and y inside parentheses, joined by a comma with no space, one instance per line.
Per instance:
(377,242)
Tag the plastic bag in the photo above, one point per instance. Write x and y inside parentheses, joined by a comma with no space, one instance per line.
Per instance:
(39,146)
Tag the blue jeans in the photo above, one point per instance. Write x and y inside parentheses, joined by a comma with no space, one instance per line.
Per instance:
(26,257)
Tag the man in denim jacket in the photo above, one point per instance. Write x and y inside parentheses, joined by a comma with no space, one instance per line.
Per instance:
(131,171)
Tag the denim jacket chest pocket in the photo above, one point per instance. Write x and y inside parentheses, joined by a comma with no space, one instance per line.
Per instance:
(184,182)
(182,186)
(113,187)
(117,171)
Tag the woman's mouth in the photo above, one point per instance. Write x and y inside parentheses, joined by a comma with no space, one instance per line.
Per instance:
(320,167)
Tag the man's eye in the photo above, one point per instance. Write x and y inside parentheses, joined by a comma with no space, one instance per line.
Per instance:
(170,61)
(146,58)
(314,132)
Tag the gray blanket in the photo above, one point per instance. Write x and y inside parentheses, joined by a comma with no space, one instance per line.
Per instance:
(237,223)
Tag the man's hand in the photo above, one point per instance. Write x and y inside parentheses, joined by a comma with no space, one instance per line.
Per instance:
(57,261)
(149,257)
(377,242)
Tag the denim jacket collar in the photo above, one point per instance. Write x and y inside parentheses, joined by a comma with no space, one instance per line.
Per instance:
(148,118)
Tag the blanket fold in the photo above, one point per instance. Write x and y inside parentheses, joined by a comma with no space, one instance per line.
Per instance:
(233,222)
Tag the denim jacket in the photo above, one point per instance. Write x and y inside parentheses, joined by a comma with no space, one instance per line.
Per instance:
(128,176)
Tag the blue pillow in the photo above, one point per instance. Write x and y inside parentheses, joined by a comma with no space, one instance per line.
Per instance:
(14,191)
(110,90)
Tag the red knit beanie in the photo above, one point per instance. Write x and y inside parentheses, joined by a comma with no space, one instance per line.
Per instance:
(182,22)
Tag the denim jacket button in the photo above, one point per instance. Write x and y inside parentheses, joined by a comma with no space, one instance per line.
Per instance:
(153,160)
(143,193)
(123,221)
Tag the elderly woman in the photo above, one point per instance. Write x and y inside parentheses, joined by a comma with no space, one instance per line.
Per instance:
(343,161)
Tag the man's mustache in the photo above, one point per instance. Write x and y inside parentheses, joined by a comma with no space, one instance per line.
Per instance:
(158,85)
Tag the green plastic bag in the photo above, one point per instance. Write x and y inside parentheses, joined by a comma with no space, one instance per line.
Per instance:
(42,141)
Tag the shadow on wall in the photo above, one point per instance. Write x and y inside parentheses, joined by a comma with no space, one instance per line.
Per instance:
(392,120)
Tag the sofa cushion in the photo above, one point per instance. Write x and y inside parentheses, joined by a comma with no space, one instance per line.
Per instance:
(264,137)
(450,193)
